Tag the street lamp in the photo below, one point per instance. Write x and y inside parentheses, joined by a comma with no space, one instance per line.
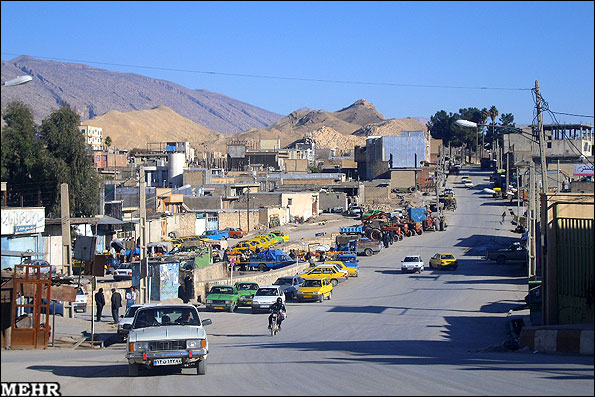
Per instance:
(17,81)
(471,124)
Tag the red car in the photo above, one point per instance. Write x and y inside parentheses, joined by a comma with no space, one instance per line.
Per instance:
(235,232)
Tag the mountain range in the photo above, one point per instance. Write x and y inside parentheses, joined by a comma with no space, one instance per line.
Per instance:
(134,110)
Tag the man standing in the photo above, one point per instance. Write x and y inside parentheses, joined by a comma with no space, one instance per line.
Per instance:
(100,301)
(130,297)
(116,305)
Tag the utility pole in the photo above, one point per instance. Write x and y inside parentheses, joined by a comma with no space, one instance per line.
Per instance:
(143,235)
(531,221)
(66,244)
(542,143)
(248,208)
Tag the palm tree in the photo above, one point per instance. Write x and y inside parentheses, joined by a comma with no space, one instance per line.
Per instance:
(485,114)
(108,141)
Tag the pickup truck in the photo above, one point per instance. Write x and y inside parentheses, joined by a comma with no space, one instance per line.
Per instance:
(216,234)
(270,259)
(368,247)
(515,252)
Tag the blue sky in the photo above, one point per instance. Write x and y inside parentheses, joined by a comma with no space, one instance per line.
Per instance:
(412,52)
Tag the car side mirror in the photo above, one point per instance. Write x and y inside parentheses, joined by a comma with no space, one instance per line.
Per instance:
(127,326)
(206,321)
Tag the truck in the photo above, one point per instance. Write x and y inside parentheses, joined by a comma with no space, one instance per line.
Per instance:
(516,252)
(270,259)
(357,244)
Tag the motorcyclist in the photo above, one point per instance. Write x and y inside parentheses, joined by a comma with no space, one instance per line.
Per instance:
(276,308)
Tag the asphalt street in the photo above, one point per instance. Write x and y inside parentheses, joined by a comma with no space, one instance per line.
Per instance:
(382,333)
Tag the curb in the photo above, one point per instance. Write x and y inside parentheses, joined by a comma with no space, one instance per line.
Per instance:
(557,340)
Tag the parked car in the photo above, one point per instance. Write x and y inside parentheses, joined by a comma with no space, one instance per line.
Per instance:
(244,246)
(352,271)
(235,232)
(469,184)
(444,261)
(515,252)
(56,307)
(222,297)
(273,236)
(167,335)
(355,210)
(216,234)
(271,240)
(315,289)
(80,303)
(127,318)
(412,263)
(266,296)
(111,265)
(246,291)
(289,285)
(124,272)
(330,272)
(281,234)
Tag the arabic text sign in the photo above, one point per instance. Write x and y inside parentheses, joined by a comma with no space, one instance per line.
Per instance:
(23,220)
(580,170)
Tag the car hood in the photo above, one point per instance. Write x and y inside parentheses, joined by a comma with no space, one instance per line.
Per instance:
(221,296)
(166,332)
(265,299)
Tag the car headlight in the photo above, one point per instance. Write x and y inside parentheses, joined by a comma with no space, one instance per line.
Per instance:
(209,301)
(228,302)
(140,346)
(316,292)
(196,343)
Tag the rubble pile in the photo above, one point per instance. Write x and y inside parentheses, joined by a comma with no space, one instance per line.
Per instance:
(329,138)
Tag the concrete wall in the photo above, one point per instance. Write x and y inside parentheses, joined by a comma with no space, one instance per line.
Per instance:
(267,213)
(332,200)
(204,202)
(301,203)
(375,193)
(196,177)
(295,165)
(238,218)
(402,178)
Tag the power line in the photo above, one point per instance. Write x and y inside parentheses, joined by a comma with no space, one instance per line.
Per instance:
(282,77)
(571,114)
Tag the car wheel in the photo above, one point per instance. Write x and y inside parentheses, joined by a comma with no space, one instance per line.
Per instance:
(320,298)
(334,282)
(330,294)
(262,267)
(132,369)
(201,367)
(368,252)
(299,300)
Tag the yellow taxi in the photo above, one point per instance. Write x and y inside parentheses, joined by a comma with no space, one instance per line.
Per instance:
(262,242)
(443,261)
(315,289)
(269,239)
(330,272)
(281,234)
(244,246)
(352,271)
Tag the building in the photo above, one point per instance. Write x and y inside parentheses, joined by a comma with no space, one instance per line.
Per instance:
(93,136)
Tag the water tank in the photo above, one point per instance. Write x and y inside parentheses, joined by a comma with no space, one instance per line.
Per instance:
(175,168)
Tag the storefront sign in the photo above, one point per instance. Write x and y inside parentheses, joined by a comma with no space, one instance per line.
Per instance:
(23,221)
(579,170)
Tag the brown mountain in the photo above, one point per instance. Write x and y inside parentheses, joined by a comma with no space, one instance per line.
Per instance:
(93,92)
(129,130)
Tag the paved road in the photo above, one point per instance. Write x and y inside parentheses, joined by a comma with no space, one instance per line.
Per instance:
(384,332)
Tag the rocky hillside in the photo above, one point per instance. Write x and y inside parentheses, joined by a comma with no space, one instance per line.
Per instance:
(135,129)
(93,92)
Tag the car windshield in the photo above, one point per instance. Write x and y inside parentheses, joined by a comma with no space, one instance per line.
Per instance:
(221,290)
(448,256)
(267,291)
(411,259)
(283,281)
(158,316)
(131,311)
(245,286)
(312,283)
(80,291)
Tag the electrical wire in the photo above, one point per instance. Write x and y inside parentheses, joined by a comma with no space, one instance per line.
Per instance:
(282,77)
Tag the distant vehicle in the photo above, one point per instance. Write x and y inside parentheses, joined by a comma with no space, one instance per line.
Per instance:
(266,296)
(80,303)
(223,297)
(412,263)
(469,185)
(281,234)
(246,291)
(111,265)
(124,272)
(216,234)
(355,210)
(316,289)
(515,252)
(444,261)
(235,232)
(289,285)
(270,259)
(330,272)
(56,307)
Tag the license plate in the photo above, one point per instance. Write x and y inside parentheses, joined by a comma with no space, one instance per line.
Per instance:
(167,361)
(249,302)
(219,307)
(307,296)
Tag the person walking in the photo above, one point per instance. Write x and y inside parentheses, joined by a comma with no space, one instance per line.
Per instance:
(116,305)
(189,288)
(503,217)
(130,297)
(100,302)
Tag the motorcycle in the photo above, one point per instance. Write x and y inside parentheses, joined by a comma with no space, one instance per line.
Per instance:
(275,329)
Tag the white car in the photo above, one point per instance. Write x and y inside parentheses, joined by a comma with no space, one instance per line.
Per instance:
(469,185)
(80,303)
(266,296)
(124,272)
(412,263)
(127,318)
(167,335)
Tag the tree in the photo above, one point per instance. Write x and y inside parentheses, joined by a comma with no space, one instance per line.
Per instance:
(108,141)
(73,161)
(26,166)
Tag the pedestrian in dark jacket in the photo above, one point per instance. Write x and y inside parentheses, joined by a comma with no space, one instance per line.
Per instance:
(100,302)
(189,288)
(116,305)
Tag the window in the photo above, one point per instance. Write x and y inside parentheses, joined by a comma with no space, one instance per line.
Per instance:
(289,201)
